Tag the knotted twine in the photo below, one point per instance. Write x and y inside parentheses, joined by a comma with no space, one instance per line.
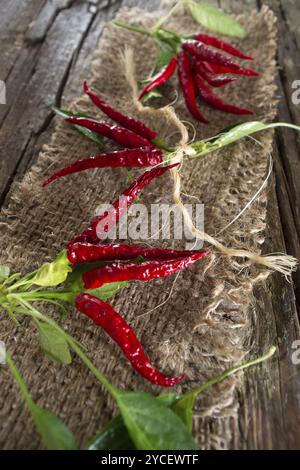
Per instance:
(214,297)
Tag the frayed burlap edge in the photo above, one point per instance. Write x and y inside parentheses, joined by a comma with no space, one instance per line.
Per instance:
(202,328)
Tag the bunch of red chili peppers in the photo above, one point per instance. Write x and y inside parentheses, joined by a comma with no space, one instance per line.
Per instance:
(121,262)
(142,144)
(200,68)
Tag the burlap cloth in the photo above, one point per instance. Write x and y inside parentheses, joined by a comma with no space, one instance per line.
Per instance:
(37,223)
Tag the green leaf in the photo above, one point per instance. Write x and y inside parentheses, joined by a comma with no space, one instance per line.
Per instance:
(107,291)
(166,54)
(216,20)
(184,409)
(54,433)
(54,344)
(53,274)
(115,436)
(236,133)
(152,425)
(86,132)
(4,272)
(74,279)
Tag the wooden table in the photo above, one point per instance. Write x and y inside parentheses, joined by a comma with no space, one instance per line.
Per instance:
(46,47)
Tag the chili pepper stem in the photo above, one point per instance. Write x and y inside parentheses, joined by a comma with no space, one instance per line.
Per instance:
(162,144)
(163,19)
(18,379)
(39,295)
(132,28)
(232,371)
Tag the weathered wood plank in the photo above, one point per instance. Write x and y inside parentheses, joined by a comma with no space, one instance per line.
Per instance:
(38,28)
(291,15)
(270,414)
(32,110)
(14,21)
(287,163)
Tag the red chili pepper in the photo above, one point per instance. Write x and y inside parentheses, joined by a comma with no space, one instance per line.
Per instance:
(203,52)
(88,236)
(162,77)
(114,214)
(203,69)
(223,69)
(128,122)
(118,272)
(215,101)
(116,327)
(87,252)
(187,85)
(222,45)
(143,157)
(122,136)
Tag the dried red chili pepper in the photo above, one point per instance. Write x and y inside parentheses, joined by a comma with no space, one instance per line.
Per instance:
(130,158)
(203,69)
(222,45)
(122,136)
(215,101)
(118,272)
(87,252)
(203,52)
(114,214)
(125,121)
(162,77)
(88,236)
(223,69)
(185,76)
(118,329)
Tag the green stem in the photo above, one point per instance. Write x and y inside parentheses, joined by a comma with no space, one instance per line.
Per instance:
(11,313)
(130,27)
(162,144)
(40,295)
(21,384)
(23,282)
(163,19)
(229,372)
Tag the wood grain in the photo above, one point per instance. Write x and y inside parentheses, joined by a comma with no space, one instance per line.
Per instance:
(46,50)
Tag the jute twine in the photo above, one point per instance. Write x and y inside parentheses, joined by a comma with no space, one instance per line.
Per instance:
(202,328)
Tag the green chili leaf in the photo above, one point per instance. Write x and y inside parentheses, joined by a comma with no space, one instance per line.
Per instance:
(53,274)
(234,134)
(54,344)
(152,425)
(86,132)
(216,20)
(115,436)
(184,406)
(166,54)
(4,272)
(55,434)
(107,291)
(74,280)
